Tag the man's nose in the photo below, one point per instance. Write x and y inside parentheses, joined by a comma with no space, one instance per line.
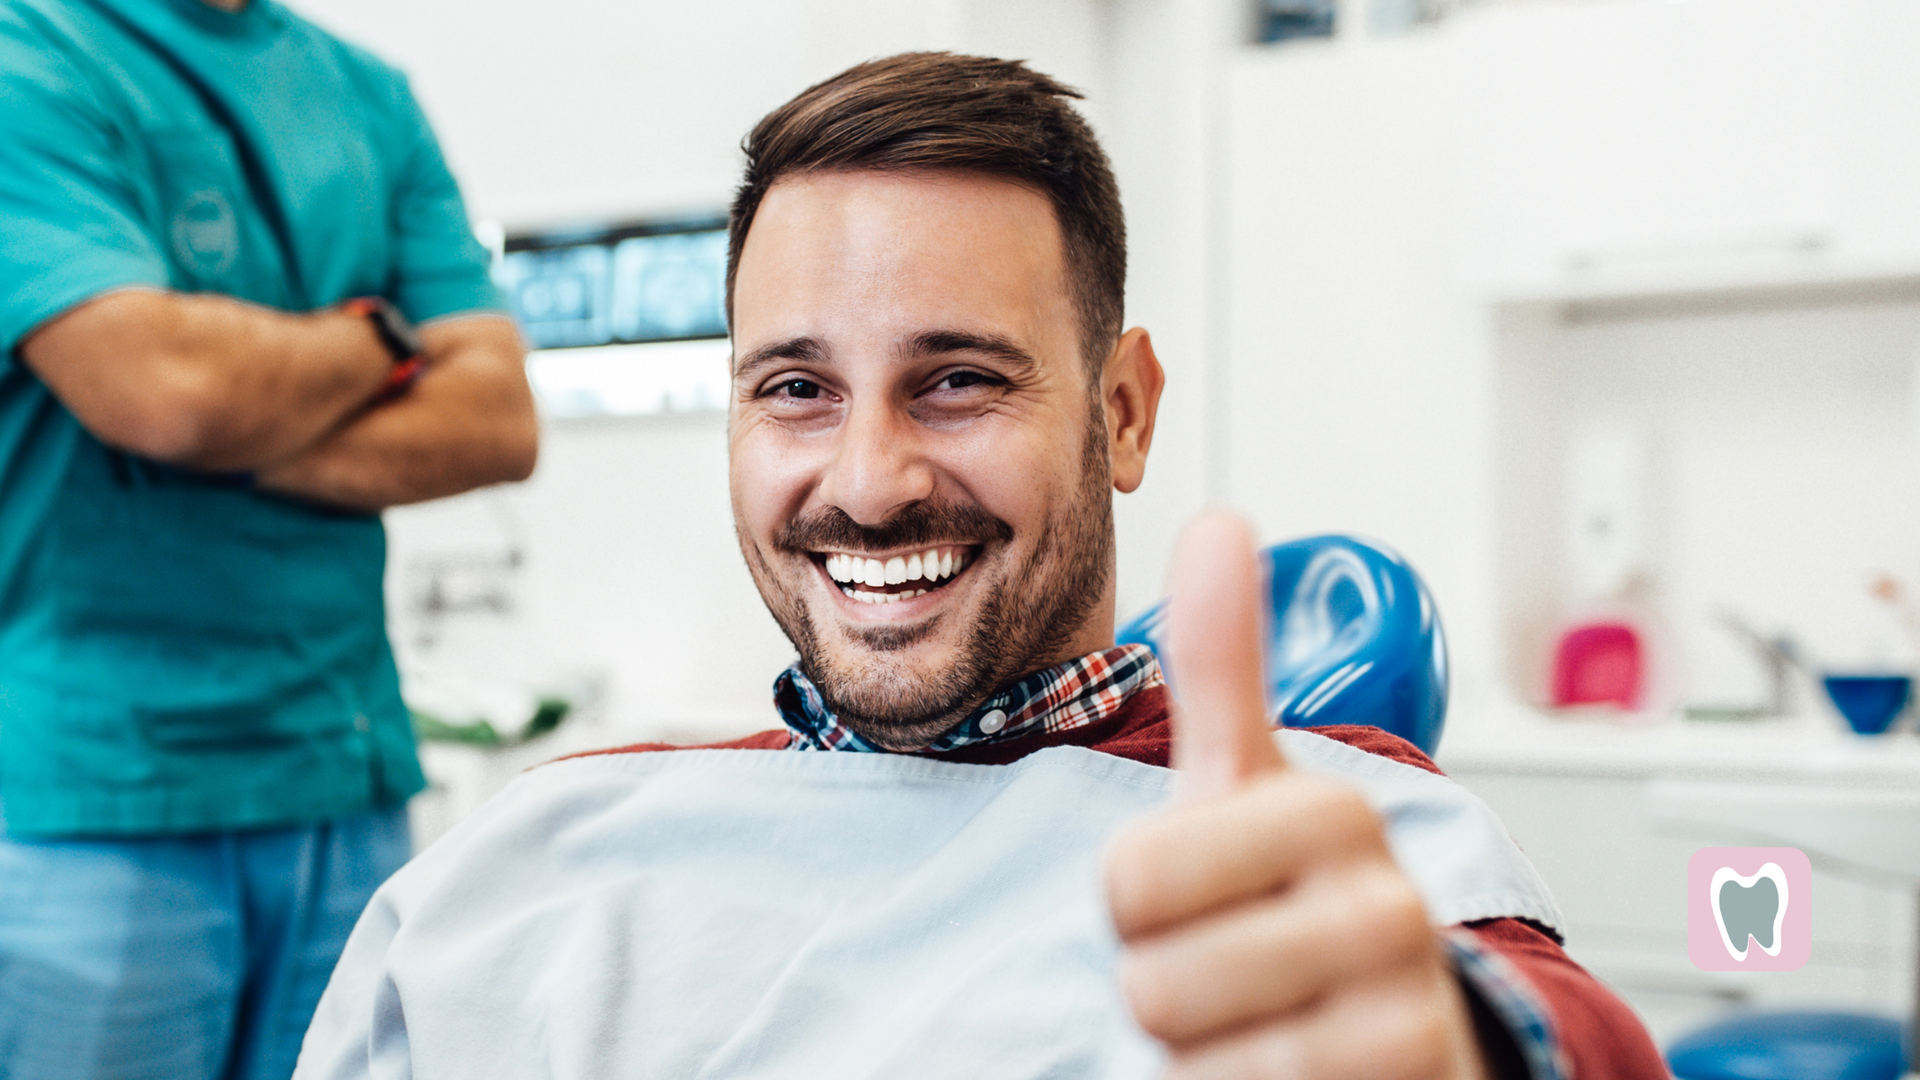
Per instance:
(879,464)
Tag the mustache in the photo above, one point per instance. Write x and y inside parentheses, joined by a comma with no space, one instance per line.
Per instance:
(921,524)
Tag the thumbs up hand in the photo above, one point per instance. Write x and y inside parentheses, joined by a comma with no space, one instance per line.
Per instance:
(1268,931)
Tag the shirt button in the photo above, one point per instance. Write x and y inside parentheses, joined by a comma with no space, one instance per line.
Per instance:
(360,722)
(992,722)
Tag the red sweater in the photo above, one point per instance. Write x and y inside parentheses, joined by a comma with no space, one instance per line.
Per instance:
(1600,1038)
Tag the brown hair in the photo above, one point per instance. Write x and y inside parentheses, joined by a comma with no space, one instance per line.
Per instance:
(936,110)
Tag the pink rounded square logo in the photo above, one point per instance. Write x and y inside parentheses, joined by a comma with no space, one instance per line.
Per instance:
(1749,909)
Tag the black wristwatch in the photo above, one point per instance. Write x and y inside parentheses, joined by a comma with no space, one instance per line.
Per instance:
(396,333)
(402,342)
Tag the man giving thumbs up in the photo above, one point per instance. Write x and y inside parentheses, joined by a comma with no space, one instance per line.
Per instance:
(1269,930)
(933,404)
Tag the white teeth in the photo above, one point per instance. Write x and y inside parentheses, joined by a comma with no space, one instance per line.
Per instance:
(932,565)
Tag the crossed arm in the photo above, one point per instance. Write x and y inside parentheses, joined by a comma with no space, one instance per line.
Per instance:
(209,382)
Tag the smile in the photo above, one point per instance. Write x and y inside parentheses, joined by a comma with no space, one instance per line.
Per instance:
(895,578)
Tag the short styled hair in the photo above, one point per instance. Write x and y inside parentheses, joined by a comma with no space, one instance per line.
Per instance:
(937,110)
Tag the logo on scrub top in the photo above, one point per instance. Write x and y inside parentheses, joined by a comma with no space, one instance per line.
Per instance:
(1748,909)
(206,235)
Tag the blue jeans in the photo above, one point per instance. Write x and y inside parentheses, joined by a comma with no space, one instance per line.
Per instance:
(185,958)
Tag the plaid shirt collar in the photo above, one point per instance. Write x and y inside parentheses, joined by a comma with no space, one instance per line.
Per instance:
(1071,695)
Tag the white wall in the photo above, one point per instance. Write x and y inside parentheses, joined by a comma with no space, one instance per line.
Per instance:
(1358,397)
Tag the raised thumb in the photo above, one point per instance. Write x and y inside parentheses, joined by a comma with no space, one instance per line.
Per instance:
(1215,647)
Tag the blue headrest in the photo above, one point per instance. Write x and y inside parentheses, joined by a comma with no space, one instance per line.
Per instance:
(1353,638)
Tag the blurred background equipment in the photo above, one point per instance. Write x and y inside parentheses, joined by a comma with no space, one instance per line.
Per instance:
(624,320)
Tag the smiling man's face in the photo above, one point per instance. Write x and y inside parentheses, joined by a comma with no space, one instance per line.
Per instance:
(921,468)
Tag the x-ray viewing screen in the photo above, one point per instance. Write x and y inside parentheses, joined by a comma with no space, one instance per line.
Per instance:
(660,281)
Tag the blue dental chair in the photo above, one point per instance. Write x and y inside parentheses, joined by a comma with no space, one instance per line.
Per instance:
(1353,638)
(1805,1045)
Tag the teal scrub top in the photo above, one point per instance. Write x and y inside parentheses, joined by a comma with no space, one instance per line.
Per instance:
(179,653)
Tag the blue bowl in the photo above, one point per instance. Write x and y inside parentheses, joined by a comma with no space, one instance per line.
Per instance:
(1869,702)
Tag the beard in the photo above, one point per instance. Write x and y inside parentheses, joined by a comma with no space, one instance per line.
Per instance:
(1020,624)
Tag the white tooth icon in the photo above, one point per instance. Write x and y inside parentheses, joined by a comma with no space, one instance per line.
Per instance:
(1747,902)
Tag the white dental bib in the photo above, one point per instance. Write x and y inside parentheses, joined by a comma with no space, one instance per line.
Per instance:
(764,913)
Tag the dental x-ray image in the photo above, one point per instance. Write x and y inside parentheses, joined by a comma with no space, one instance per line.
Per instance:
(651,281)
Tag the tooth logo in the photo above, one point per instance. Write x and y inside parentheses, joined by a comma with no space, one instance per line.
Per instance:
(1748,909)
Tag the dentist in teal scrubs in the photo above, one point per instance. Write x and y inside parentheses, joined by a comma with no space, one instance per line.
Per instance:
(241,312)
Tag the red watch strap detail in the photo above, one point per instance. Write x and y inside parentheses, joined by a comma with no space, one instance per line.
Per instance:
(404,374)
(362,306)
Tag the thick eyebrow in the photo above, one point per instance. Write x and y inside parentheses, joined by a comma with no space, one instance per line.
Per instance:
(809,350)
(938,342)
(804,349)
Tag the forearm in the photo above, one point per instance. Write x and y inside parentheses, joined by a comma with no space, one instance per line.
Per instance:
(468,422)
(207,381)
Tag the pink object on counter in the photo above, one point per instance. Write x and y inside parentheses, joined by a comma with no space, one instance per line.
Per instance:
(1601,663)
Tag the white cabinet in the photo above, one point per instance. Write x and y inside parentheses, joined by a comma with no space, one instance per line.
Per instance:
(1611,816)
(1706,143)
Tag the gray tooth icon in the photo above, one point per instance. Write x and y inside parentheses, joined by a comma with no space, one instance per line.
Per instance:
(1750,907)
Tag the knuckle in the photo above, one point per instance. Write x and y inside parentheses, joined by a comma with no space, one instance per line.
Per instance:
(1347,819)
(1379,911)
(1401,905)
(1144,983)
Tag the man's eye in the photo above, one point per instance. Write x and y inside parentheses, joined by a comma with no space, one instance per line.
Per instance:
(797,388)
(960,379)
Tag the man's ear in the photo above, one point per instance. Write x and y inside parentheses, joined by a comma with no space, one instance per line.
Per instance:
(1130,389)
